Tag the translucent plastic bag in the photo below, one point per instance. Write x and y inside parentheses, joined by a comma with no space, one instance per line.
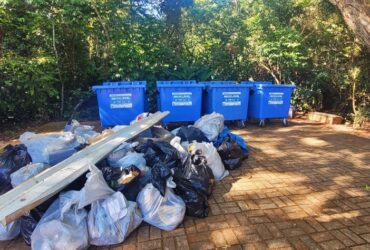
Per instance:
(63,226)
(26,173)
(165,212)
(111,218)
(133,158)
(49,149)
(183,153)
(10,231)
(211,125)
(84,133)
(214,161)
(118,154)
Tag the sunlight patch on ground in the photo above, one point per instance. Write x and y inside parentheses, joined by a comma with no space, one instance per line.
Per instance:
(313,142)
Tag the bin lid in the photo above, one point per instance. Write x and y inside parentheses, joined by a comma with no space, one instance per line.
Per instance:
(259,86)
(179,83)
(122,84)
(256,82)
(228,84)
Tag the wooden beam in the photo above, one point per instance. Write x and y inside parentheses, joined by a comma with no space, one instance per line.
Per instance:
(41,187)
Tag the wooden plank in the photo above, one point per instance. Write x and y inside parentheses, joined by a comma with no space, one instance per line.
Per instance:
(325,118)
(38,189)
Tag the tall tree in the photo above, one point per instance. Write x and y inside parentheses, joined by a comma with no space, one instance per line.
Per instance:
(356,13)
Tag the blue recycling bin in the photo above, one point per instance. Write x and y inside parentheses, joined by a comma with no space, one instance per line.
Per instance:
(270,101)
(182,98)
(120,102)
(227,98)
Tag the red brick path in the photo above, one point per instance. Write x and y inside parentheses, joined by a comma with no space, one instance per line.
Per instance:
(303,187)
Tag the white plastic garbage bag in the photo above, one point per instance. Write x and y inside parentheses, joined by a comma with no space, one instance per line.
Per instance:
(211,125)
(118,154)
(63,226)
(51,148)
(176,143)
(133,158)
(10,231)
(26,172)
(110,221)
(111,218)
(165,212)
(174,132)
(214,161)
(84,133)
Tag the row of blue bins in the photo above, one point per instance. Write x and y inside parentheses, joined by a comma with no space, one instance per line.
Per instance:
(120,102)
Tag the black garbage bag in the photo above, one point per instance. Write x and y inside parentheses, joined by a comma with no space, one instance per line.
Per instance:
(231,153)
(198,173)
(30,220)
(129,181)
(28,224)
(194,183)
(160,174)
(118,177)
(12,159)
(196,202)
(191,134)
(159,151)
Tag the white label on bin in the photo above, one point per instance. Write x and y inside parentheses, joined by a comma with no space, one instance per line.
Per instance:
(276,98)
(182,99)
(120,101)
(231,99)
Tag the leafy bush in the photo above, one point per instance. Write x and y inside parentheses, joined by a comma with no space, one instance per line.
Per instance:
(53,51)
(307,98)
(361,116)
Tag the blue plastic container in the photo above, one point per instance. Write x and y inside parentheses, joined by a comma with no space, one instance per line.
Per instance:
(269,101)
(120,102)
(227,98)
(251,83)
(182,98)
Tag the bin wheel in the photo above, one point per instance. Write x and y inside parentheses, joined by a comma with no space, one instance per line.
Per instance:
(285,122)
(241,124)
(262,123)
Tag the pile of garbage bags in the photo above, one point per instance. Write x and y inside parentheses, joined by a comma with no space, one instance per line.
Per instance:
(158,178)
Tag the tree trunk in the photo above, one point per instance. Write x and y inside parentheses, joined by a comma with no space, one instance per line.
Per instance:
(356,13)
(59,71)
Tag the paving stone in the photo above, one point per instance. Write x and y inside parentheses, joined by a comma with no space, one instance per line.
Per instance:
(181,243)
(343,238)
(288,194)
(278,243)
(366,237)
(333,244)
(322,236)
(218,239)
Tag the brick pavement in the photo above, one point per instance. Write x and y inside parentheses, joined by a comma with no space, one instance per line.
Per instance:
(303,187)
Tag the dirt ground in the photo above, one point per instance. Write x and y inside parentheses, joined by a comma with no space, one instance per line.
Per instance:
(303,187)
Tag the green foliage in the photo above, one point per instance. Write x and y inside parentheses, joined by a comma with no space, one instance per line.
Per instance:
(307,98)
(361,116)
(52,51)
